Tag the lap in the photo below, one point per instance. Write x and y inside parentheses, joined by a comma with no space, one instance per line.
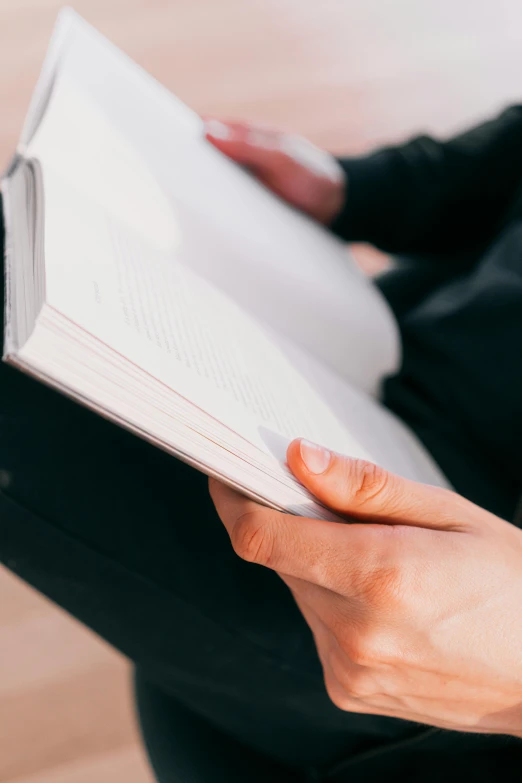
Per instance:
(126,539)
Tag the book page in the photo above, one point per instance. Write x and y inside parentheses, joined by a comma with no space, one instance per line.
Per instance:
(170,322)
(195,340)
(277,264)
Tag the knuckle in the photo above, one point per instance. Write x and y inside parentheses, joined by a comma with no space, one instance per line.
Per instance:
(382,586)
(352,677)
(359,685)
(369,482)
(369,649)
(360,651)
(335,692)
(252,539)
(380,579)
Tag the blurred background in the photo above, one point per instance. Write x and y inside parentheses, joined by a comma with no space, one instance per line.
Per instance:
(349,74)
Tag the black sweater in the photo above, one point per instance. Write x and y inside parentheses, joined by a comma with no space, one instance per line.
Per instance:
(455,209)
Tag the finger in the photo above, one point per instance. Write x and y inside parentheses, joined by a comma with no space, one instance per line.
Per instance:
(360,489)
(253,146)
(327,554)
(349,685)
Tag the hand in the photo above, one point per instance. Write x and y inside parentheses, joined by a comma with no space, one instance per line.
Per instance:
(303,175)
(416,608)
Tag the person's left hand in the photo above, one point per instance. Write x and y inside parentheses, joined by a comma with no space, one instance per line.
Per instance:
(416,607)
(305,176)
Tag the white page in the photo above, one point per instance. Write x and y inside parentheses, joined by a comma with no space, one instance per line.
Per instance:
(170,322)
(277,264)
(196,341)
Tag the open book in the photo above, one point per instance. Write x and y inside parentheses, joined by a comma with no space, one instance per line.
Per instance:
(151,279)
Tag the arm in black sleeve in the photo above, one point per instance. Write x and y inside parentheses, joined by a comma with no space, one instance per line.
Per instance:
(429,196)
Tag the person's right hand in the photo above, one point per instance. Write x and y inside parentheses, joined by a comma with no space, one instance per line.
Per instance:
(300,173)
(414,604)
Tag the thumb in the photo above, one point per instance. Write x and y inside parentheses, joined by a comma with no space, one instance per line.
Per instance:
(360,489)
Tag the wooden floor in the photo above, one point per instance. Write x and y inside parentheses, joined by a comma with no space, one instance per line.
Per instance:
(349,74)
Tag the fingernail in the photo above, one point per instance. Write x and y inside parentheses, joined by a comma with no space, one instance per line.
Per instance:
(217,129)
(316,458)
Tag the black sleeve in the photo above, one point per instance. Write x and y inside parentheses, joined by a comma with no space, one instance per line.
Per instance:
(430,196)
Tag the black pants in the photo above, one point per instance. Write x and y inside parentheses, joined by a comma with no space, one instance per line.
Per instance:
(126,539)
